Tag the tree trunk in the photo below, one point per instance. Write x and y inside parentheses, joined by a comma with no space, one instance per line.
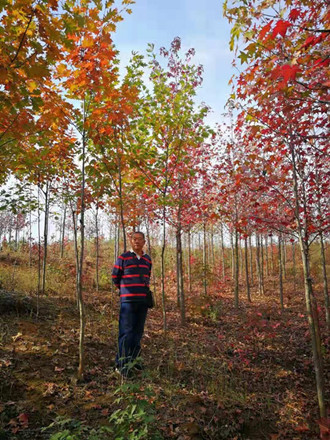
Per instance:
(63,231)
(236,270)
(284,256)
(30,234)
(294,269)
(247,269)
(39,251)
(189,262)
(97,245)
(16,233)
(148,236)
(311,306)
(46,222)
(81,367)
(204,260)
(76,249)
(122,220)
(262,263)
(280,270)
(232,247)
(325,281)
(180,275)
(258,258)
(241,256)
(212,249)
(223,268)
(116,241)
(251,259)
(271,254)
(163,269)
(266,254)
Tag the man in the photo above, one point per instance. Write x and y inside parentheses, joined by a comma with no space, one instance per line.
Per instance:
(131,274)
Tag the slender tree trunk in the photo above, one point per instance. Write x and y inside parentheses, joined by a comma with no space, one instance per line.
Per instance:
(9,234)
(81,367)
(262,263)
(148,235)
(163,268)
(97,245)
(271,254)
(311,306)
(39,251)
(251,259)
(246,258)
(223,267)
(189,262)
(180,274)
(325,281)
(122,220)
(241,256)
(284,256)
(76,248)
(232,248)
(63,230)
(266,254)
(204,260)
(178,298)
(294,267)
(116,242)
(30,233)
(258,258)
(280,270)
(212,249)
(46,222)
(16,233)
(236,272)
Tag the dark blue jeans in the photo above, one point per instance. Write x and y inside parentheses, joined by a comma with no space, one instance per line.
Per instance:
(132,317)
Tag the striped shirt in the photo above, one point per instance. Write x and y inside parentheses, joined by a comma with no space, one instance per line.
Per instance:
(132,276)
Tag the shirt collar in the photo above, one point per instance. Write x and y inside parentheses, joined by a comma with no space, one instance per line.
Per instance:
(137,256)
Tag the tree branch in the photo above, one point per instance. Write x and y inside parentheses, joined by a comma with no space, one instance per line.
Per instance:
(22,40)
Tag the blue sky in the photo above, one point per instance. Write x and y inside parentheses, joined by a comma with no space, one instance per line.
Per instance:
(199,24)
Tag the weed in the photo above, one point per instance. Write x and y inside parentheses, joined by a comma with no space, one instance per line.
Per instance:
(132,422)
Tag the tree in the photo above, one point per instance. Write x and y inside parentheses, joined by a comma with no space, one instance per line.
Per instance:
(168,123)
(283,97)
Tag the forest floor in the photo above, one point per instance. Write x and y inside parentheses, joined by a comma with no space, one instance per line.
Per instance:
(226,374)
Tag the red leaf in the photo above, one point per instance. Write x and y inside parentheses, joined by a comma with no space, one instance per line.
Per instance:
(264,30)
(302,428)
(309,41)
(24,420)
(294,14)
(286,71)
(281,28)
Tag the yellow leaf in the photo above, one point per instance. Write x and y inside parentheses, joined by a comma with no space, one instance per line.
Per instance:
(31,86)
(88,42)
(61,69)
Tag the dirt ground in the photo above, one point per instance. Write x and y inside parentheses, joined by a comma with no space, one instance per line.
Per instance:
(226,374)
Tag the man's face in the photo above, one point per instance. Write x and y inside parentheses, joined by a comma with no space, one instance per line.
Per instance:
(137,242)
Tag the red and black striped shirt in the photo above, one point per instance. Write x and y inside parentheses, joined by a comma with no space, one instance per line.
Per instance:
(132,276)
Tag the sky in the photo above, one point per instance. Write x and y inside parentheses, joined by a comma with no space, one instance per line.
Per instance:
(200,25)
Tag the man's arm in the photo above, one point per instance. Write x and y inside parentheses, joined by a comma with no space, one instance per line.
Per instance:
(117,272)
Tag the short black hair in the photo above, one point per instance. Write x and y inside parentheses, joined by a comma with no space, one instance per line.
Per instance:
(139,232)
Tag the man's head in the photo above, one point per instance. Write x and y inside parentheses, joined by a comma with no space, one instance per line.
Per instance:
(137,242)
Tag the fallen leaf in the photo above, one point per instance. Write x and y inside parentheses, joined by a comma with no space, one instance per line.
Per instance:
(59,370)
(24,420)
(16,337)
